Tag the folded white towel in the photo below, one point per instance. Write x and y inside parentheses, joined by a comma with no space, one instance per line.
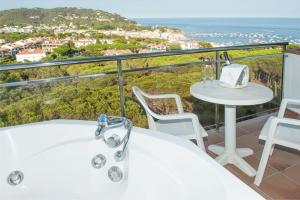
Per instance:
(234,76)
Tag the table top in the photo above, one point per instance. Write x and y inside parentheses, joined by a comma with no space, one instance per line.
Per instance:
(212,91)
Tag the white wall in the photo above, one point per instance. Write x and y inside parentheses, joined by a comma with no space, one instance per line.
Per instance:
(291,79)
(30,57)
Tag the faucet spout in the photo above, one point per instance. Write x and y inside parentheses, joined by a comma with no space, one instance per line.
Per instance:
(104,123)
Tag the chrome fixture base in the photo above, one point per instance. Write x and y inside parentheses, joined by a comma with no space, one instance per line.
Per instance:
(15,178)
(120,156)
(115,174)
(98,161)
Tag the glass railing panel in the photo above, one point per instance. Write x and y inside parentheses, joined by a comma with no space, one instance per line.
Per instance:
(174,80)
(265,66)
(82,91)
(81,99)
(266,71)
(167,60)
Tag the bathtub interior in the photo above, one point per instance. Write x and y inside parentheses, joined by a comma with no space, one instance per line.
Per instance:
(55,158)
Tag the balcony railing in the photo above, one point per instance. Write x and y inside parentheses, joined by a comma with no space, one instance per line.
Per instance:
(214,64)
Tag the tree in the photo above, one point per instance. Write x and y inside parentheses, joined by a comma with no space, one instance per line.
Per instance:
(205,44)
(294,46)
(66,49)
(175,47)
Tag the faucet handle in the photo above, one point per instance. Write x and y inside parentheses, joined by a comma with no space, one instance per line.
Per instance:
(103,118)
(102,124)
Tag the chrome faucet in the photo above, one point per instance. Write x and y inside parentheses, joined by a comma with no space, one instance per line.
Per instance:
(102,125)
(105,123)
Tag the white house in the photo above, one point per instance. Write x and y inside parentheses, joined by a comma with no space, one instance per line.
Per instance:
(31,55)
(157,47)
(12,48)
(49,45)
(84,42)
(189,45)
(106,41)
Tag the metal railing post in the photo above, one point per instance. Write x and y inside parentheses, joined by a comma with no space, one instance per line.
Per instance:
(282,72)
(217,109)
(121,87)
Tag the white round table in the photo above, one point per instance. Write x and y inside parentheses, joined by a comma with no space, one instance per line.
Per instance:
(253,94)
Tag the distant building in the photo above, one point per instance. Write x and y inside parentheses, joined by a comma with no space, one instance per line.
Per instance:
(144,51)
(31,55)
(2,41)
(27,29)
(106,41)
(12,48)
(185,45)
(157,47)
(112,52)
(49,45)
(30,43)
(34,17)
(4,52)
(84,42)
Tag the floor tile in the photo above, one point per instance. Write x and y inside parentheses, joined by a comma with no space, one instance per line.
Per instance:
(279,186)
(250,141)
(293,173)
(241,175)
(239,131)
(211,154)
(282,176)
(258,190)
(247,179)
(281,160)
(213,138)
(254,163)
(253,125)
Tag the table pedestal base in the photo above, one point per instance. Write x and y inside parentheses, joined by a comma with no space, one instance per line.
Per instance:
(235,158)
(214,92)
(230,154)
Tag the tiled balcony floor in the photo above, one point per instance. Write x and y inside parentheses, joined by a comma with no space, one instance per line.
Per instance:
(282,175)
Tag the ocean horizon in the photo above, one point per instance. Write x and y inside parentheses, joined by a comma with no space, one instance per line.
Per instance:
(232,31)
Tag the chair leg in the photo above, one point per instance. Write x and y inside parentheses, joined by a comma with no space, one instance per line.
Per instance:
(200,142)
(263,163)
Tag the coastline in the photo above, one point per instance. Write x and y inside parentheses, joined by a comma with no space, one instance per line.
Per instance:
(232,31)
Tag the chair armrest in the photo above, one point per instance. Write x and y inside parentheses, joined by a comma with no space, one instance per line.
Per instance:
(166,96)
(196,125)
(276,121)
(178,116)
(289,121)
(284,104)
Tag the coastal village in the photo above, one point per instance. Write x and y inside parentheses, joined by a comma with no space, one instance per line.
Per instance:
(34,49)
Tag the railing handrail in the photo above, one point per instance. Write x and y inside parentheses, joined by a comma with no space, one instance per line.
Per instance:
(100,74)
(53,63)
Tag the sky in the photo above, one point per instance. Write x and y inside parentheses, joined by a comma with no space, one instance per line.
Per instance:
(173,8)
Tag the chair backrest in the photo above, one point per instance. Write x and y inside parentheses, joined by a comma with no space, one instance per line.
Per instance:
(150,114)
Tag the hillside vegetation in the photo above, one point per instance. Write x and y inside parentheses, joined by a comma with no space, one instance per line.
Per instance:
(87,98)
(79,17)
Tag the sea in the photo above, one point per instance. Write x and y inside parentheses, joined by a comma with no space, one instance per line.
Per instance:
(233,31)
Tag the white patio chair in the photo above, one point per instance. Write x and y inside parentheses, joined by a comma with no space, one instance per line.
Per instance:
(185,125)
(281,131)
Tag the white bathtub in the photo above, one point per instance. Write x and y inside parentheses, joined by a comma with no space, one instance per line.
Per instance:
(55,159)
